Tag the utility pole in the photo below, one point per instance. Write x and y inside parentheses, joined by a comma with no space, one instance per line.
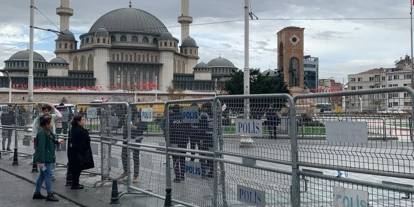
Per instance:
(411,58)
(246,57)
(30,81)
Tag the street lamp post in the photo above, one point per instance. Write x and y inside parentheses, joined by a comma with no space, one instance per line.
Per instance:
(30,78)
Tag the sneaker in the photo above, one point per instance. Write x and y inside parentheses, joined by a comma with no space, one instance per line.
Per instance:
(135,179)
(77,187)
(38,196)
(51,197)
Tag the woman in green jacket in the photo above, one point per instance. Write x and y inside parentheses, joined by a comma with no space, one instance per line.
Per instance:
(44,157)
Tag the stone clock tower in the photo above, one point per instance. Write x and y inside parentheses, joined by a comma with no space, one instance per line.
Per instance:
(290,57)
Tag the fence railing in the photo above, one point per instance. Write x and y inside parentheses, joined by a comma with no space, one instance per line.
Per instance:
(277,151)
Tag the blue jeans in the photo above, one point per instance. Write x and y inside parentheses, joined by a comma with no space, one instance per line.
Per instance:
(45,175)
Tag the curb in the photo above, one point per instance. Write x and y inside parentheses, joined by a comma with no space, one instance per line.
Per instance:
(32,182)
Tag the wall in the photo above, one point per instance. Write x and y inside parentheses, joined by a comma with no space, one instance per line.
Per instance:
(79,97)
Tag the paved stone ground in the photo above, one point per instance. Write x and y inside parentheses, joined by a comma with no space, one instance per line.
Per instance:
(18,192)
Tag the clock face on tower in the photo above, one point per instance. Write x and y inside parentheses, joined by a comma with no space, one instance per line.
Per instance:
(294,39)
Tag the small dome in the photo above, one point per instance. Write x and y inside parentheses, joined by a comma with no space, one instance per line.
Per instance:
(189,42)
(166,36)
(24,56)
(221,63)
(201,65)
(59,60)
(101,32)
(67,35)
(129,20)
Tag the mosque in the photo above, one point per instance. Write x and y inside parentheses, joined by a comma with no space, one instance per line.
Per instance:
(125,49)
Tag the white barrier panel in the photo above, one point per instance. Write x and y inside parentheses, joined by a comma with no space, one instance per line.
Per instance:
(349,198)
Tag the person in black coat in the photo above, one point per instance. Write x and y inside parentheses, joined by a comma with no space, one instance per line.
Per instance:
(79,151)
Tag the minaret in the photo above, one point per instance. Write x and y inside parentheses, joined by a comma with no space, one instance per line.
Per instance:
(65,12)
(185,19)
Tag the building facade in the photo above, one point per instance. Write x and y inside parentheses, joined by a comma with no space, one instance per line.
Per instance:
(125,49)
(399,76)
(290,56)
(311,72)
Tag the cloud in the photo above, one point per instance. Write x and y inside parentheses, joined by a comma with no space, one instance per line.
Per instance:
(340,45)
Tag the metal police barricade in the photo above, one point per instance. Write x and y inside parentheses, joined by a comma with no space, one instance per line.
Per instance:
(356,148)
(16,123)
(191,167)
(255,146)
(147,149)
(108,127)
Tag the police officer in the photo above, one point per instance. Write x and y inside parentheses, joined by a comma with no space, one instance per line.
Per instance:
(206,132)
(194,133)
(178,139)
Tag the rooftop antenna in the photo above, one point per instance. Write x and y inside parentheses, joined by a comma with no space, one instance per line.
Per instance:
(130,3)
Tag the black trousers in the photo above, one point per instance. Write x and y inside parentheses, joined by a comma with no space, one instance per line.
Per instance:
(179,163)
(73,174)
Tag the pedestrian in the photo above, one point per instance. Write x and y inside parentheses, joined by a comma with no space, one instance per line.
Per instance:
(79,152)
(178,139)
(45,157)
(46,111)
(206,140)
(272,120)
(137,134)
(8,120)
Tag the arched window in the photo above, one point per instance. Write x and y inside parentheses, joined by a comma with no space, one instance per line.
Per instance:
(191,51)
(171,44)
(71,46)
(98,40)
(123,38)
(145,40)
(82,41)
(155,41)
(185,51)
(87,40)
(139,57)
(113,39)
(75,63)
(165,44)
(60,45)
(147,57)
(66,45)
(90,63)
(103,40)
(130,58)
(294,71)
(134,39)
(117,57)
(83,63)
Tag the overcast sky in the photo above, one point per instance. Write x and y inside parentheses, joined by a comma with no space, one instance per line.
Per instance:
(343,46)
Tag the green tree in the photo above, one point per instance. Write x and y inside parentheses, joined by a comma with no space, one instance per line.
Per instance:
(259,83)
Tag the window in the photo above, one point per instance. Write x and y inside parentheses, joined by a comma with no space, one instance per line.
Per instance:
(395,85)
(98,40)
(123,38)
(113,39)
(145,40)
(359,79)
(383,86)
(408,76)
(360,87)
(390,77)
(371,78)
(353,79)
(406,95)
(396,77)
(165,44)
(103,40)
(134,39)
(383,78)
(66,45)
(87,40)
(407,103)
(389,85)
(395,103)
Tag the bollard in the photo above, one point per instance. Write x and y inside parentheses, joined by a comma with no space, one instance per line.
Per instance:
(167,202)
(114,194)
(15,155)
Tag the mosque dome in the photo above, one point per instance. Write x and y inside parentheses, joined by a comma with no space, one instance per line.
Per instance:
(24,56)
(221,63)
(189,42)
(129,20)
